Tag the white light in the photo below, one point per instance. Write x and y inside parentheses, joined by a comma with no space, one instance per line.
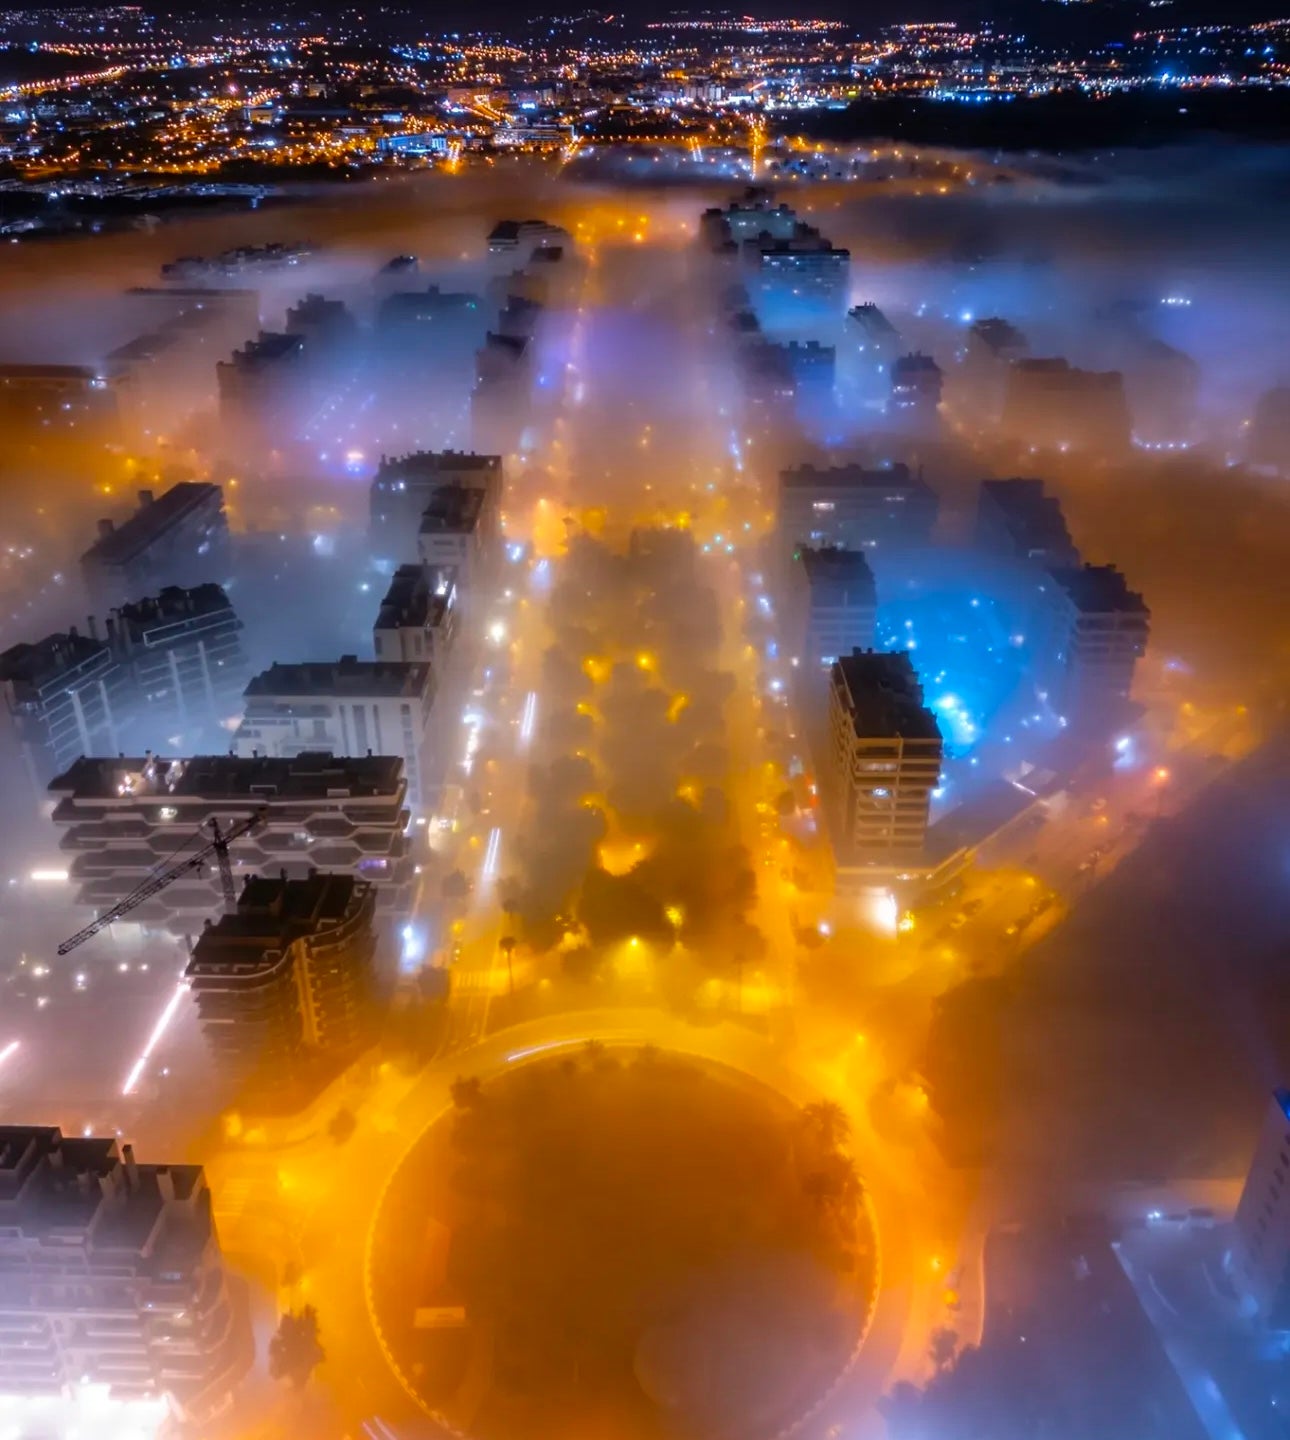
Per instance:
(8,1050)
(489,868)
(48,877)
(158,1030)
(528,718)
(497,632)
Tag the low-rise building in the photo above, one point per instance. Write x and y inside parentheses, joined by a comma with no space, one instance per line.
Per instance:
(286,981)
(125,818)
(347,706)
(884,758)
(111,1274)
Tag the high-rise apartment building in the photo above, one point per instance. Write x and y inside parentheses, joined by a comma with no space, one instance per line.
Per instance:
(404,486)
(1016,520)
(916,384)
(1260,1255)
(182,650)
(111,1274)
(417,620)
(884,758)
(853,508)
(286,980)
(177,538)
(458,530)
(261,383)
(1097,631)
(1051,405)
(124,819)
(67,697)
(347,706)
(831,606)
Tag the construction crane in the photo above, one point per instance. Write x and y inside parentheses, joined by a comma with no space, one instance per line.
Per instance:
(217,846)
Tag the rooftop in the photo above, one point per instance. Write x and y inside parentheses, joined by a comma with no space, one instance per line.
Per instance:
(49,659)
(152,519)
(272,912)
(85,373)
(172,604)
(886,698)
(268,347)
(314,774)
(838,575)
(998,335)
(1057,369)
(418,595)
(452,508)
(1098,590)
(349,675)
(433,465)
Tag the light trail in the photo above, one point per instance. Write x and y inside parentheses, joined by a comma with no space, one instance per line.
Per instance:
(8,1050)
(489,867)
(528,718)
(158,1030)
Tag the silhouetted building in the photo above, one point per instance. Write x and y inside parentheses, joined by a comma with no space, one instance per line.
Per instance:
(831,607)
(1269,437)
(417,620)
(347,706)
(753,217)
(67,696)
(1050,405)
(288,977)
(111,1274)
(996,340)
(523,237)
(404,486)
(261,383)
(916,384)
(852,508)
(874,333)
(1098,633)
(180,538)
(1260,1257)
(884,757)
(1015,519)
(124,819)
(1163,389)
(324,325)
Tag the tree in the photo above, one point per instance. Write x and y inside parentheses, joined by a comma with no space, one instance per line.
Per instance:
(467,1092)
(827,1121)
(342,1125)
(456,886)
(294,1351)
(508,949)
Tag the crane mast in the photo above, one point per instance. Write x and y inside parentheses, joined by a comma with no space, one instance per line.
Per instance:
(216,846)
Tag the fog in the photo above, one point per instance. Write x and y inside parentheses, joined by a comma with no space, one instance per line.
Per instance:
(622,814)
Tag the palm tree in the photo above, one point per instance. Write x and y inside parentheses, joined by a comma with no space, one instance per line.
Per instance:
(508,949)
(827,1120)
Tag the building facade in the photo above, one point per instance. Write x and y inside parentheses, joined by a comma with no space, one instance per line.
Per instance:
(1260,1255)
(287,977)
(404,485)
(832,606)
(122,819)
(1097,632)
(1016,520)
(177,538)
(417,621)
(348,707)
(66,696)
(111,1274)
(853,508)
(884,758)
